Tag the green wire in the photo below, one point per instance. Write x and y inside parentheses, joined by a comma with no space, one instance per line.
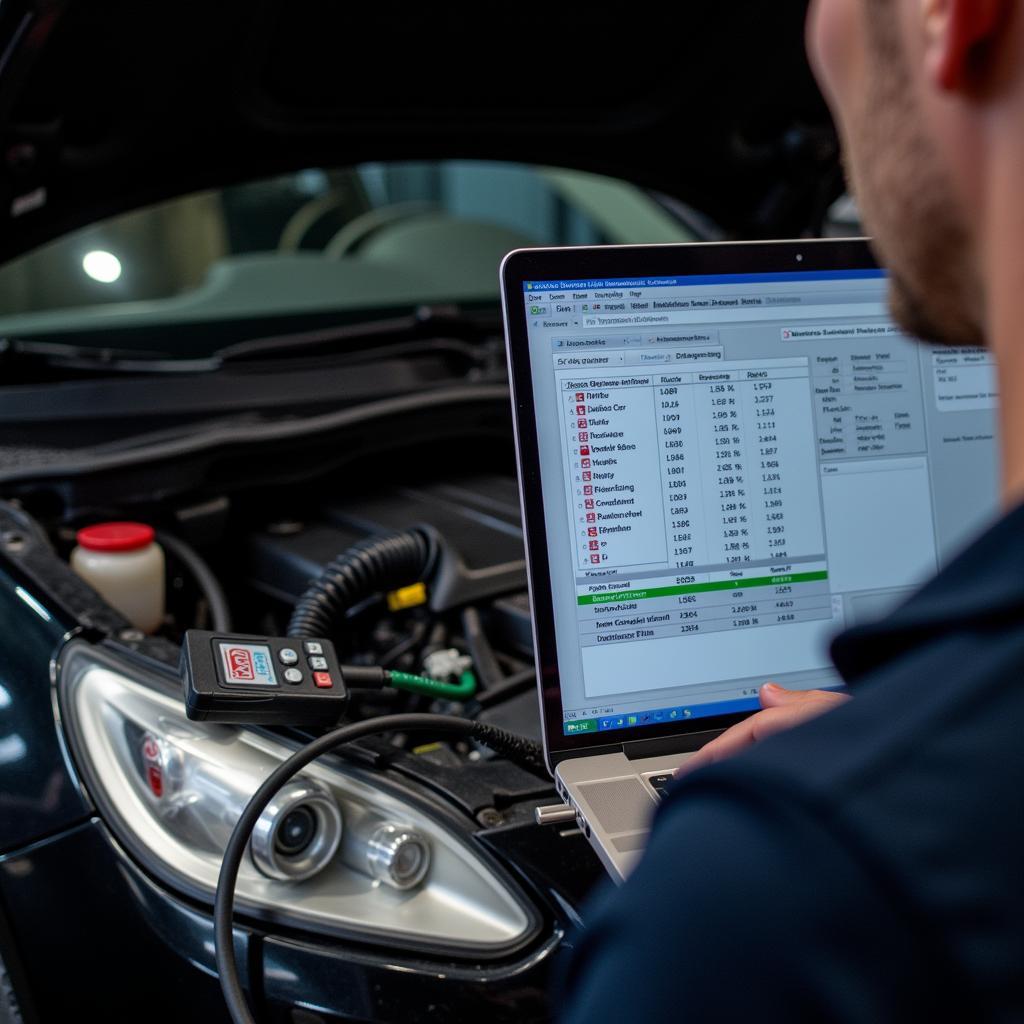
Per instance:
(462,690)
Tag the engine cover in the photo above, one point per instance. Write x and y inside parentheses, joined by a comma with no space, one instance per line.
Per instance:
(478,517)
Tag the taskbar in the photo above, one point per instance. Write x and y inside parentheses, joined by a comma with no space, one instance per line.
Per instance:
(659,716)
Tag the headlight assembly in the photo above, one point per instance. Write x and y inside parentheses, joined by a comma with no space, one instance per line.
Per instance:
(337,850)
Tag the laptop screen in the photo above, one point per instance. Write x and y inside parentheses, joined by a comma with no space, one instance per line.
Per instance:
(735,467)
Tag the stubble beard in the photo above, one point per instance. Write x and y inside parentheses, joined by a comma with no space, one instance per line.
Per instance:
(907,203)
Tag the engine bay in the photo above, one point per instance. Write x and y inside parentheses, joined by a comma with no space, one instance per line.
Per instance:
(473,613)
(264,544)
(247,523)
(474,607)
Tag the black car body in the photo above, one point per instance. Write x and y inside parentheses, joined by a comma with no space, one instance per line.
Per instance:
(271,440)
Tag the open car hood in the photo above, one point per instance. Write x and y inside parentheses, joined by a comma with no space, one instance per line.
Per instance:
(108,105)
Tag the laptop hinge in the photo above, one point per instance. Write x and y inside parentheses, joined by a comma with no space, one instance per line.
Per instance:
(669,744)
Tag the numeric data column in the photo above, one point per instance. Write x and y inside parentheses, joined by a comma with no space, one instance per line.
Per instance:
(679,442)
(720,424)
(784,485)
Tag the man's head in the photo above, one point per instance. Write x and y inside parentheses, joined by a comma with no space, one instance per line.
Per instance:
(907,81)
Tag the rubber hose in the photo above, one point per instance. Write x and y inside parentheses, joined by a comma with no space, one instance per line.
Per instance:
(367,568)
(206,579)
(486,664)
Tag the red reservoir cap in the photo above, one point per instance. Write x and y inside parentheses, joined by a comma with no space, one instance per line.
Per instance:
(115,536)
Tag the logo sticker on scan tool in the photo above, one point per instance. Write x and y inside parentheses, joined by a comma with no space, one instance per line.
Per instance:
(247,665)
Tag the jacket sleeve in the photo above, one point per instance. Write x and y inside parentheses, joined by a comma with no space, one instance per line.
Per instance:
(744,908)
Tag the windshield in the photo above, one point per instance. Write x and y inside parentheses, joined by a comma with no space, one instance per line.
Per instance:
(377,236)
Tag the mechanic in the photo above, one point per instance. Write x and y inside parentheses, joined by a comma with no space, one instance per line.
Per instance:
(869,865)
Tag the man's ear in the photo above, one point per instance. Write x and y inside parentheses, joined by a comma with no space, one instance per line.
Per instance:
(957,36)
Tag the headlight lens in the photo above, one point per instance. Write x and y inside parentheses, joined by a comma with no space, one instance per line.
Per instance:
(297,835)
(396,855)
(337,850)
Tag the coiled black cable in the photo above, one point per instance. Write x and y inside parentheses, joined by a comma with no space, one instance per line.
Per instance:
(369,567)
(517,748)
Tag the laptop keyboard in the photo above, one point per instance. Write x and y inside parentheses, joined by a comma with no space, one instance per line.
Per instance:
(660,782)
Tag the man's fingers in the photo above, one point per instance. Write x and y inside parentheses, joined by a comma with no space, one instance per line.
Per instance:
(731,742)
(772,695)
(783,709)
(744,734)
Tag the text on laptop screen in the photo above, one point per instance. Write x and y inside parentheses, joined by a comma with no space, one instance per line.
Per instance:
(744,464)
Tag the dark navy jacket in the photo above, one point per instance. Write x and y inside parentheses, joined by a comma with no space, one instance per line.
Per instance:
(867,866)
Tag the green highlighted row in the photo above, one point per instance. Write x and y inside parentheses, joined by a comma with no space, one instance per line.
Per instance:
(703,588)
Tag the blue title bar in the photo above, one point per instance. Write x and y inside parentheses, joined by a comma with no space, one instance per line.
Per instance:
(783,276)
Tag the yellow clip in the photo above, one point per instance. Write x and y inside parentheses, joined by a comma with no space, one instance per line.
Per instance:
(407,597)
(426,748)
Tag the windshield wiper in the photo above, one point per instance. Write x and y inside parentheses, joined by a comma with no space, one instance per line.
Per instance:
(22,358)
(446,326)
(431,329)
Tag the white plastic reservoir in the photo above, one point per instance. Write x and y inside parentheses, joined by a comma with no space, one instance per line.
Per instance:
(123,563)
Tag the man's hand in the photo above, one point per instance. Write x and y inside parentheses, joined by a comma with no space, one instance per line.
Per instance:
(782,710)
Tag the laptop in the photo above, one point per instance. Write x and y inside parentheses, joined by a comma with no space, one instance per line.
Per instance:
(727,454)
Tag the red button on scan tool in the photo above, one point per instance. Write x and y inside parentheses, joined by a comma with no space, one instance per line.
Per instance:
(323,680)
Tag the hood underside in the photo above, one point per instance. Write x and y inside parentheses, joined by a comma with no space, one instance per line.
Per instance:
(107,106)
